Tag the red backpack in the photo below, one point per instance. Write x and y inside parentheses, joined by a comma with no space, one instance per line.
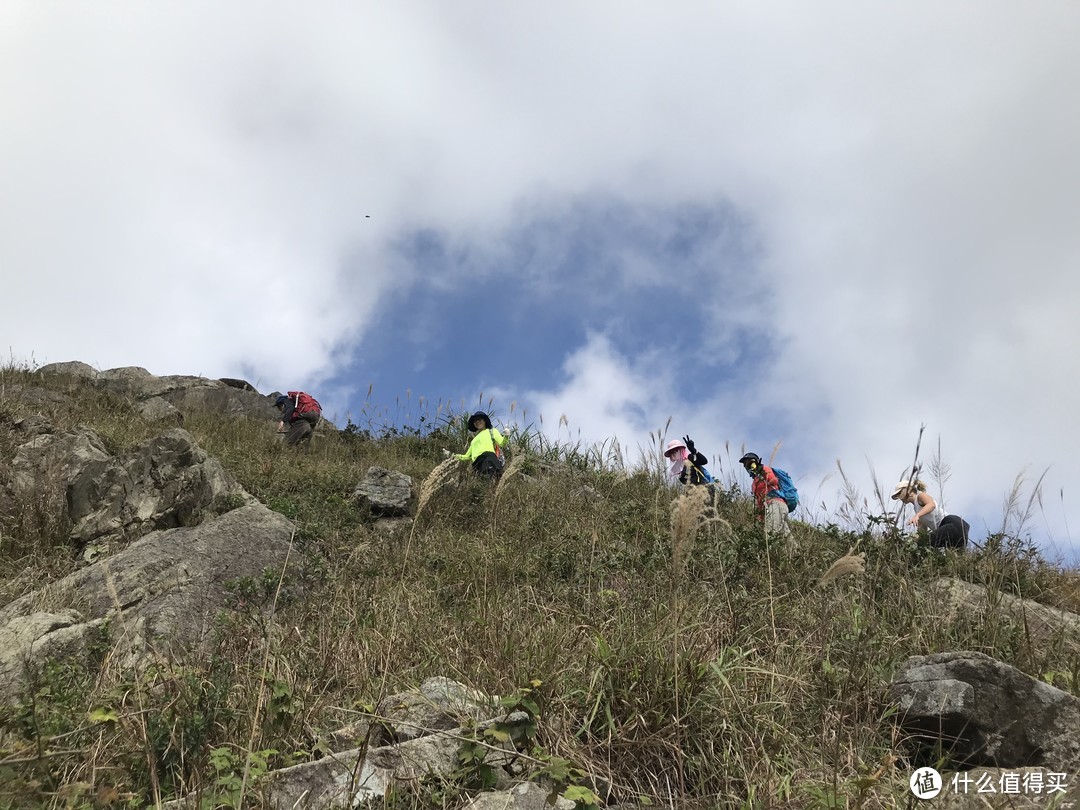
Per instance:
(304,403)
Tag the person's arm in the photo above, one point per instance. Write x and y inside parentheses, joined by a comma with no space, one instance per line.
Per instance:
(290,409)
(498,437)
(472,452)
(699,459)
(772,484)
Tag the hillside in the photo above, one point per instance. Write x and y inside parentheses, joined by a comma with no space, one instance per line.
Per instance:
(229,609)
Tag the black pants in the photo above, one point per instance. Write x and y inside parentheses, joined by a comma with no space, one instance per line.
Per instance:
(488,465)
(952,532)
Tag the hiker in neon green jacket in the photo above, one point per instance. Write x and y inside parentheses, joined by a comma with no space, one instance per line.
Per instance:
(485,450)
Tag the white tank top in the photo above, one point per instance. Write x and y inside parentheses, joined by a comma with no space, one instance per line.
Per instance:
(931,520)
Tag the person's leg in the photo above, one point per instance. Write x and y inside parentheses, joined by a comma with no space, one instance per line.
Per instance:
(487,465)
(952,532)
(298,431)
(776,519)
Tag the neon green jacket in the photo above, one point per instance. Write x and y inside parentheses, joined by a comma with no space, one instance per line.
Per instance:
(483,442)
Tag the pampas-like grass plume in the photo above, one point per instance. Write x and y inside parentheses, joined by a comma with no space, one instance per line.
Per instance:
(436,480)
(848,564)
(512,469)
(686,515)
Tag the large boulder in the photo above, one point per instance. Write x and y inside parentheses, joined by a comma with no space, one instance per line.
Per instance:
(74,368)
(1048,624)
(165,482)
(164,591)
(384,492)
(983,712)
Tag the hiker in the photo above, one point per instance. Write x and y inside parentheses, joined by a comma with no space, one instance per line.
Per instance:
(771,505)
(300,413)
(485,449)
(687,464)
(943,531)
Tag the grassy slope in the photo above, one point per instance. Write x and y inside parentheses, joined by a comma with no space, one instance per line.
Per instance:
(736,681)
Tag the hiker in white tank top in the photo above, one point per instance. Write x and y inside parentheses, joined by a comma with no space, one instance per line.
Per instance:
(928,515)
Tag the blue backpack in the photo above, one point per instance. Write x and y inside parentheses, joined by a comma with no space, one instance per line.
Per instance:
(787,489)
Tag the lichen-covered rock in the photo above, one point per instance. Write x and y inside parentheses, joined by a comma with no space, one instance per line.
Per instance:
(162,591)
(986,713)
(384,492)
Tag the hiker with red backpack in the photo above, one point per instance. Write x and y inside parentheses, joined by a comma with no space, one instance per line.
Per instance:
(774,494)
(485,450)
(300,413)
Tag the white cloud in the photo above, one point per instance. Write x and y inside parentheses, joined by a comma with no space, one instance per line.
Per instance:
(186,187)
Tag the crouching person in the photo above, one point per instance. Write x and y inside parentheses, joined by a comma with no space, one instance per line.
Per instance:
(485,450)
(943,531)
(300,413)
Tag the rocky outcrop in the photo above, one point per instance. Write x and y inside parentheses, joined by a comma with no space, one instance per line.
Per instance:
(384,492)
(985,713)
(166,482)
(184,392)
(157,409)
(162,592)
(352,777)
(33,395)
(1047,624)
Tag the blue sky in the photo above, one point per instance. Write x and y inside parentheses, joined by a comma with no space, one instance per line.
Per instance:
(824,226)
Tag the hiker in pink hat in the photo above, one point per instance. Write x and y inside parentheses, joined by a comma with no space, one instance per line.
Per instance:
(687,464)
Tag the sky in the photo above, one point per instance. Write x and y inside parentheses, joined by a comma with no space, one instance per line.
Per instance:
(822,225)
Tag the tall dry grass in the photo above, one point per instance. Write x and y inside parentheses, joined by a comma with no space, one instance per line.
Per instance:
(680,659)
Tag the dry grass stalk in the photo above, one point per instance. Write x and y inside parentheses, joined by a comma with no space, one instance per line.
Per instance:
(436,480)
(848,564)
(686,515)
(512,469)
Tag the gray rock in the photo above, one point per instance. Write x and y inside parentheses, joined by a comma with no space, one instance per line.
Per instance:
(1046,623)
(70,369)
(350,778)
(44,466)
(384,492)
(439,704)
(185,392)
(36,637)
(165,482)
(34,425)
(33,395)
(216,397)
(157,409)
(986,713)
(162,591)
(232,382)
(526,796)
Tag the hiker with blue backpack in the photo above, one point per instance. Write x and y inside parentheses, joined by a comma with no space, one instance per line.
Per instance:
(774,494)
(687,464)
